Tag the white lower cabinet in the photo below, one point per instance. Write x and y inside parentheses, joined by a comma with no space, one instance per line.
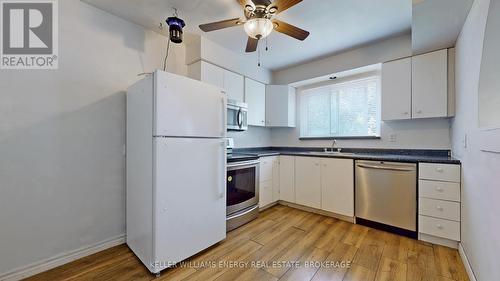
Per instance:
(337,186)
(265,193)
(439,203)
(269,181)
(287,178)
(321,183)
(308,181)
(276,179)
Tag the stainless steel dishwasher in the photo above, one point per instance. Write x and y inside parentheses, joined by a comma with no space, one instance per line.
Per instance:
(386,196)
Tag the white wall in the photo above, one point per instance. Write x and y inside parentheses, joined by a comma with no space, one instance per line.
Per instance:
(410,134)
(254,137)
(377,52)
(422,134)
(480,177)
(62,133)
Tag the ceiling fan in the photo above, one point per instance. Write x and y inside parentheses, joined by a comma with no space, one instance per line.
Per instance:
(259,21)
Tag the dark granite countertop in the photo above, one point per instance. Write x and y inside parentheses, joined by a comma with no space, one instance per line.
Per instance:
(394,155)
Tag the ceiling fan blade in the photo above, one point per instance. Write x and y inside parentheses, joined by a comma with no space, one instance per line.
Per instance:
(251,45)
(290,30)
(220,24)
(283,5)
(244,3)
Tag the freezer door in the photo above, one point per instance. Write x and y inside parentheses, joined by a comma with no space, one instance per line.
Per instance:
(188,108)
(190,197)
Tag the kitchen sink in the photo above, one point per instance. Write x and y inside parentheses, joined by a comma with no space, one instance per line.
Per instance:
(331,153)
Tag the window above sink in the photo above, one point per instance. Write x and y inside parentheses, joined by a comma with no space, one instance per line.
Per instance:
(348,109)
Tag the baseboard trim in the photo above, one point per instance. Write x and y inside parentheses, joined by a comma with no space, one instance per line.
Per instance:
(47,264)
(465,261)
(317,211)
(438,240)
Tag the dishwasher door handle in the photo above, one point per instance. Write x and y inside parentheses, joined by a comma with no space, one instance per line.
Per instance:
(386,168)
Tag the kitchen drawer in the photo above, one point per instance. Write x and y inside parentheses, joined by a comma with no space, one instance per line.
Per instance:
(440,172)
(439,209)
(439,190)
(439,227)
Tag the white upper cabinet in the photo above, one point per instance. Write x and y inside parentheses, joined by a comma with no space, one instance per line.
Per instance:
(308,182)
(255,97)
(231,82)
(430,85)
(337,186)
(234,86)
(396,90)
(207,73)
(280,106)
(419,87)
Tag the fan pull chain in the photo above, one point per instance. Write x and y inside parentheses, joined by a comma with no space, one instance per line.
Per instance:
(267,48)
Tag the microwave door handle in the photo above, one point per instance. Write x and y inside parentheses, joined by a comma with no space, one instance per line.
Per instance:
(239,118)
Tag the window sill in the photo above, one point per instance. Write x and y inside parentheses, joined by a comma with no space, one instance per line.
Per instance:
(342,138)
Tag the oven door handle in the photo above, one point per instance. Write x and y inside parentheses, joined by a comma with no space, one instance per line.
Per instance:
(244,164)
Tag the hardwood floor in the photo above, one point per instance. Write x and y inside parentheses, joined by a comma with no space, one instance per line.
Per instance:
(286,244)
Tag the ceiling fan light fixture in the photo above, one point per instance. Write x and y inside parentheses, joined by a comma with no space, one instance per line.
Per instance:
(258,28)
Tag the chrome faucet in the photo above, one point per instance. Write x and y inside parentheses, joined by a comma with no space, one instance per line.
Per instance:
(334,144)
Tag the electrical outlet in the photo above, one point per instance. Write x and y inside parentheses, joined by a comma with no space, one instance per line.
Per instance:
(393,137)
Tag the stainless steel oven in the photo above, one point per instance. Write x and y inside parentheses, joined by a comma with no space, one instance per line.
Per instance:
(237,113)
(242,192)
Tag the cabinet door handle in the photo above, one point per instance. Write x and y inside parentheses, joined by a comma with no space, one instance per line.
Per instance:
(419,111)
(439,226)
(439,208)
(405,113)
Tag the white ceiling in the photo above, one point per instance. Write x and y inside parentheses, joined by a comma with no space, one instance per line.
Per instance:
(335,25)
(437,23)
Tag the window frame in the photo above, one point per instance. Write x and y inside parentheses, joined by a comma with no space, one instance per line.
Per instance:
(348,79)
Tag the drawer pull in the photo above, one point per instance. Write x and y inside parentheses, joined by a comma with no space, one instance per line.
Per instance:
(439,226)
(439,208)
(440,189)
(439,170)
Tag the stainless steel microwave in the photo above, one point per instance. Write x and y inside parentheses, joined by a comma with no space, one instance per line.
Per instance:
(237,114)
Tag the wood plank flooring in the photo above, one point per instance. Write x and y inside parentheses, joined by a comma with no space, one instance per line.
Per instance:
(286,244)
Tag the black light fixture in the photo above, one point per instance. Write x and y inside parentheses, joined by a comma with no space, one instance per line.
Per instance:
(176,24)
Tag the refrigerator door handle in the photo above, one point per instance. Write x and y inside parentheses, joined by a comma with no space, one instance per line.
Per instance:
(224,116)
(222,184)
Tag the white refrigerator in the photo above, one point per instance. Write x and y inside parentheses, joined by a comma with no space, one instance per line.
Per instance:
(176,168)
